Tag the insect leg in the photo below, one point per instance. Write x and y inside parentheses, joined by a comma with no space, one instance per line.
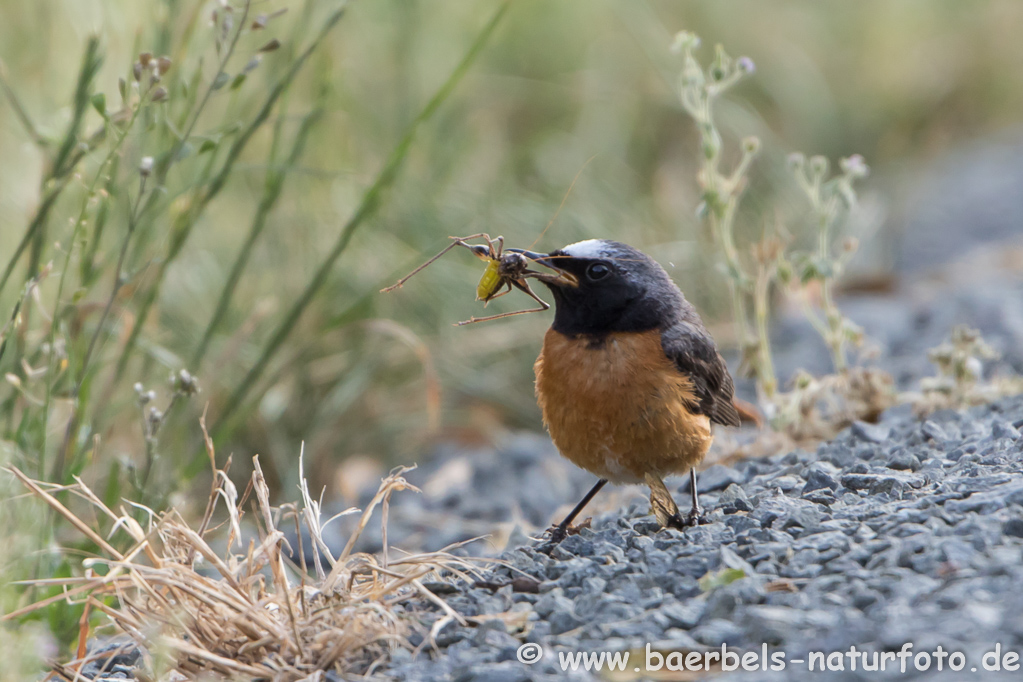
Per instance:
(523,285)
(458,241)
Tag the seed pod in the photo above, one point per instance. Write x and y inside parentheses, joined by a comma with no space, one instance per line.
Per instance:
(684,40)
(855,167)
(819,166)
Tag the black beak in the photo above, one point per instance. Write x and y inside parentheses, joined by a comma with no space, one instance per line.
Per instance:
(560,276)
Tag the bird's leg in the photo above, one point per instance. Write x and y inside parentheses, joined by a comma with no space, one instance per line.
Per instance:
(695,516)
(560,531)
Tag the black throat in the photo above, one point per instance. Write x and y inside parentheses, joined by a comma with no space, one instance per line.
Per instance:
(582,314)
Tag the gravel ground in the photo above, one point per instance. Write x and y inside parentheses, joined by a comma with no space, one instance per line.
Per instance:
(906,531)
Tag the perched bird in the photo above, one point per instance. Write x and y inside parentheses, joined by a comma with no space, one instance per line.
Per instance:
(629,380)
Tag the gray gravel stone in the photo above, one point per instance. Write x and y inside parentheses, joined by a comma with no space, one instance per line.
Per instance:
(873,433)
(734,499)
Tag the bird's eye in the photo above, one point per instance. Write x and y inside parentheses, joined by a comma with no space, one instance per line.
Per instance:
(597,271)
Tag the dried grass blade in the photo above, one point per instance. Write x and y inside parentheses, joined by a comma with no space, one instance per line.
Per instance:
(66,513)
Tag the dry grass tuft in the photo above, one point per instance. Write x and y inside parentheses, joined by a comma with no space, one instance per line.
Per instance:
(246,610)
(960,382)
(818,408)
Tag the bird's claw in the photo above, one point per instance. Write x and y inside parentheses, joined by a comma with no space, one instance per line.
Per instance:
(554,536)
(558,533)
(695,517)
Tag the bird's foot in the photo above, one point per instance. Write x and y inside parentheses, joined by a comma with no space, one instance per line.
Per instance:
(555,534)
(695,517)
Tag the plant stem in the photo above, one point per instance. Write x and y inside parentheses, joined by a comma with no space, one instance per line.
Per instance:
(271,193)
(766,377)
(42,213)
(151,434)
(162,168)
(51,337)
(19,110)
(369,203)
(184,230)
(832,316)
(58,466)
(67,157)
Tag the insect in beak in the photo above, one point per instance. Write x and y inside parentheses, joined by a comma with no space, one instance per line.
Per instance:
(559,276)
(507,269)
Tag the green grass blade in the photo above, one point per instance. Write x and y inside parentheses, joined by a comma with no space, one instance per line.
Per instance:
(366,208)
(218,182)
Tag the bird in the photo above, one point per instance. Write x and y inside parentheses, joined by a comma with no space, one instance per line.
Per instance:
(629,380)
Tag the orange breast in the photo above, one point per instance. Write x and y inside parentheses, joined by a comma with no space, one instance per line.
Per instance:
(617,408)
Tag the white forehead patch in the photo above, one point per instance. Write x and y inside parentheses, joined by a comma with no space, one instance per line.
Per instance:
(591,248)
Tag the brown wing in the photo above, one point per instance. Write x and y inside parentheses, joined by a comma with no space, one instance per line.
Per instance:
(692,350)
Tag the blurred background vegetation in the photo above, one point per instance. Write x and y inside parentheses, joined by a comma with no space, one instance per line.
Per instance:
(359,373)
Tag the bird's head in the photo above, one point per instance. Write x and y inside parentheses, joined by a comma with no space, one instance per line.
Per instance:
(602,286)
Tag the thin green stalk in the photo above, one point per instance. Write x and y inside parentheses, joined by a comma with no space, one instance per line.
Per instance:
(271,193)
(67,157)
(812,316)
(721,227)
(766,376)
(42,213)
(832,316)
(151,432)
(164,165)
(58,466)
(369,203)
(181,235)
(20,111)
(109,160)
(190,118)
(87,266)
(90,67)
(8,329)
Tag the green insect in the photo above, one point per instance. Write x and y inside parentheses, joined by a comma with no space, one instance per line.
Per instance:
(506,269)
